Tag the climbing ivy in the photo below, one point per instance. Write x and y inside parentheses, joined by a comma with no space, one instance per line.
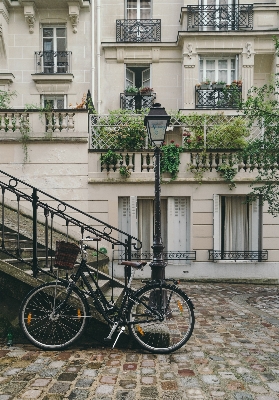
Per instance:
(170,159)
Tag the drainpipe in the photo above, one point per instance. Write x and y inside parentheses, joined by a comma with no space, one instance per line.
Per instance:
(93,51)
(98,55)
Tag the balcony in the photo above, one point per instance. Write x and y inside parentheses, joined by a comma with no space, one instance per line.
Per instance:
(136,101)
(220,18)
(223,98)
(138,30)
(53,62)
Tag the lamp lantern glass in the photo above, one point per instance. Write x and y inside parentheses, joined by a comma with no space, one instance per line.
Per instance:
(156,123)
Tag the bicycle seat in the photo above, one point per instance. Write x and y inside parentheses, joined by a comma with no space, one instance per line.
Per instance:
(134,264)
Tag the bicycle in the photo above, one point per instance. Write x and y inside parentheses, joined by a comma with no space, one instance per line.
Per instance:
(159,316)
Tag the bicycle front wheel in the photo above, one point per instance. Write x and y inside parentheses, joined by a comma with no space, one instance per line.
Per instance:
(161,318)
(52,320)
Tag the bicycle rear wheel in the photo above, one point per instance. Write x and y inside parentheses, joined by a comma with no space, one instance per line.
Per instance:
(46,328)
(161,318)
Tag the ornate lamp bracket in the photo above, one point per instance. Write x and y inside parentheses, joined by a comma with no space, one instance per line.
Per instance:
(74,15)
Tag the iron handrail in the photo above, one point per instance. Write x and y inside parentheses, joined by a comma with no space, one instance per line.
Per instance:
(128,241)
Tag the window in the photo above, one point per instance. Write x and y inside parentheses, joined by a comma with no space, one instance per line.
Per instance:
(138,76)
(54,50)
(218,69)
(138,9)
(218,15)
(136,217)
(237,224)
(53,102)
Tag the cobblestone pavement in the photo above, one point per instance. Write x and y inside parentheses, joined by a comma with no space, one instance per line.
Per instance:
(233,354)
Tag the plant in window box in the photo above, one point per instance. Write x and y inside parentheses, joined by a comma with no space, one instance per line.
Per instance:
(218,85)
(239,83)
(131,91)
(198,85)
(146,91)
(205,84)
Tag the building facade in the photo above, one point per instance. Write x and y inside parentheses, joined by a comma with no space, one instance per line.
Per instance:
(200,58)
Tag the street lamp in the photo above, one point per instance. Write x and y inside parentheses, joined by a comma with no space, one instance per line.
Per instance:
(156,123)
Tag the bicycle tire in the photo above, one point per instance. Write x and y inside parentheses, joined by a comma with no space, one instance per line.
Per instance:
(50,332)
(161,318)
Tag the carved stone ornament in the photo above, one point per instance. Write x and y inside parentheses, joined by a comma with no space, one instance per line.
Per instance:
(74,15)
(190,50)
(29,14)
(74,21)
(248,46)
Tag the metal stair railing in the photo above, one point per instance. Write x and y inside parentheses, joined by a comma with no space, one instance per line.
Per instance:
(47,224)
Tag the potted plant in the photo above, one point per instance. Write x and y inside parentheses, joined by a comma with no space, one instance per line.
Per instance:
(206,84)
(218,85)
(146,91)
(131,91)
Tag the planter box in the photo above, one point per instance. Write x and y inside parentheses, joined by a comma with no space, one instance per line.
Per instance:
(203,86)
(130,94)
(218,86)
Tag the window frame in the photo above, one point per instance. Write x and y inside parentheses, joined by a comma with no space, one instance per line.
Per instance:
(138,10)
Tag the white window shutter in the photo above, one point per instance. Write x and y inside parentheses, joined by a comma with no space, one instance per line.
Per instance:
(254,226)
(133,213)
(146,77)
(177,223)
(216,223)
(130,77)
(124,216)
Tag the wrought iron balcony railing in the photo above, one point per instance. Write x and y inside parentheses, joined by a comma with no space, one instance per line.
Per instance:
(220,18)
(228,97)
(138,30)
(53,62)
(136,101)
(215,255)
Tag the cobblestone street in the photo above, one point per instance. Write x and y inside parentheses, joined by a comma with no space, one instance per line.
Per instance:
(233,354)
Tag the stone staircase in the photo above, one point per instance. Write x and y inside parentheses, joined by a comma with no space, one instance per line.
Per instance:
(16,280)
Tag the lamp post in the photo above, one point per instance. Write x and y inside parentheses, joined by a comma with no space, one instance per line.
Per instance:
(156,123)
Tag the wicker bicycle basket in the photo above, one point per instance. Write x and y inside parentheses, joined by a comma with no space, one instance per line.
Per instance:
(66,255)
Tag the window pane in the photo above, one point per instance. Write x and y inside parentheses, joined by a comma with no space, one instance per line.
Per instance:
(61,32)
(236,228)
(131,3)
(61,44)
(145,13)
(145,3)
(132,14)
(48,44)
(48,32)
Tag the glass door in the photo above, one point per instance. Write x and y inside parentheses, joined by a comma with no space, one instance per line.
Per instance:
(138,9)
(54,50)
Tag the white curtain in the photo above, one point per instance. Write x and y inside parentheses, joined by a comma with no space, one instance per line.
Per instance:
(236,225)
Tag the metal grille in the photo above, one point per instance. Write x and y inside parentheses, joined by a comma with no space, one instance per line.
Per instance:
(137,101)
(49,62)
(167,256)
(105,128)
(238,255)
(219,98)
(138,30)
(221,18)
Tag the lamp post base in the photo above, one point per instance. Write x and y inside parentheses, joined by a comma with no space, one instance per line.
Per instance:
(157,265)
